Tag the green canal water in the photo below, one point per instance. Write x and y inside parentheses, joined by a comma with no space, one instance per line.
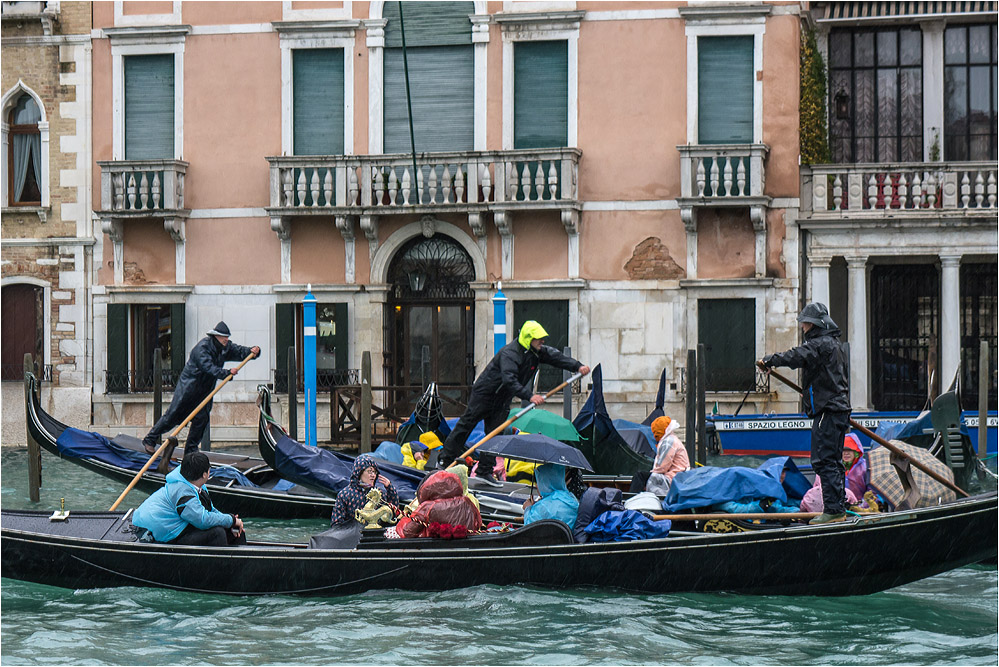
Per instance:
(950,619)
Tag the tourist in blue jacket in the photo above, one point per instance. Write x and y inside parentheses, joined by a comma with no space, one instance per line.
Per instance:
(556,502)
(197,380)
(182,513)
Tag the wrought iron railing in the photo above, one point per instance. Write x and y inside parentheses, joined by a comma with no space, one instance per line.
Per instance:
(15,372)
(761,382)
(138,382)
(326,379)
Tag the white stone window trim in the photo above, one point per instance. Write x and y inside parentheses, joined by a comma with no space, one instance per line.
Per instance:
(316,39)
(722,27)
(46,309)
(542,28)
(8,101)
(289,13)
(141,43)
(375,41)
(122,19)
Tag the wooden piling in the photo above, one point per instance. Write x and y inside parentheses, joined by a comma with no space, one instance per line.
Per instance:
(567,390)
(983,399)
(702,431)
(365,403)
(690,428)
(157,385)
(292,393)
(34,450)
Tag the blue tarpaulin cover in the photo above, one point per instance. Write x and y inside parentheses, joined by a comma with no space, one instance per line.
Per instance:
(321,469)
(389,451)
(228,472)
(702,487)
(614,526)
(638,436)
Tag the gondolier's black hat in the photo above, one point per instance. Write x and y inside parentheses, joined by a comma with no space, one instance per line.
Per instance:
(220,330)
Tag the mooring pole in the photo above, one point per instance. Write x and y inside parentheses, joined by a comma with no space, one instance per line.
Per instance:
(365,403)
(157,385)
(983,400)
(292,393)
(567,390)
(34,450)
(690,428)
(309,363)
(702,434)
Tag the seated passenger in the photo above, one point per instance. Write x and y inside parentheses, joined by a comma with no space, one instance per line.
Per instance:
(414,455)
(353,497)
(443,499)
(671,459)
(556,502)
(856,477)
(182,512)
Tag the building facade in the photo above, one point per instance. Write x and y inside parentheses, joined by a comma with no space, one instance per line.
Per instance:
(899,230)
(46,251)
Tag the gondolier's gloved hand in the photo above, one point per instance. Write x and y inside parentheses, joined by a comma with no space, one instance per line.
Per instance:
(255,350)
(768,361)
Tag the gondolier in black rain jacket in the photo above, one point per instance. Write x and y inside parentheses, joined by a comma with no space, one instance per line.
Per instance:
(202,370)
(826,393)
(507,375)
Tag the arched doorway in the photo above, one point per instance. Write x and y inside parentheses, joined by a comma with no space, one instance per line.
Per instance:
(430,315)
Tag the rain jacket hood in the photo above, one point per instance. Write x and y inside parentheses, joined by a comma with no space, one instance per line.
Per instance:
(170,509)
(354,496)
(529,332)
(556,501)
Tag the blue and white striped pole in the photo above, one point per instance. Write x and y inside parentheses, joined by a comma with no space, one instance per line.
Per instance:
(499,318)
(309,354)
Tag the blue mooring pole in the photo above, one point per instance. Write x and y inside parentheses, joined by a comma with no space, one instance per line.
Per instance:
(309,353)
(499,318)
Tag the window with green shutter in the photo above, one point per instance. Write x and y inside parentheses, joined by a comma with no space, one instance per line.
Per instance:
(135,332)
(318,99)
(553,315)
(441,77)
(149,107)
(116,368)
(725,82)
(331,343)
(727,328)
(541,94)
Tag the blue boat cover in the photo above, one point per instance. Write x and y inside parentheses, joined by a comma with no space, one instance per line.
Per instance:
(601,443)
(478,431)
(318,468)
(389,451)
(638,436)
(77,444)
(703,487)
(795,484)
(612,526)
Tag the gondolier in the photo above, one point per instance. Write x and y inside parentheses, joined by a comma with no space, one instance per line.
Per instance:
(202,370)
(826,391)
(507,375)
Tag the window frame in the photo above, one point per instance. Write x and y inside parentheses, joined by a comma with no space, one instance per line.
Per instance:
(10,99)
(21,129)
(966,66)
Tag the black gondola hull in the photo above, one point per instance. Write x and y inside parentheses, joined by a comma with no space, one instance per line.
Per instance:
(858,557)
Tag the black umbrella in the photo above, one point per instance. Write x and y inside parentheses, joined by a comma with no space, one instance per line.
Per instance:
(538,448)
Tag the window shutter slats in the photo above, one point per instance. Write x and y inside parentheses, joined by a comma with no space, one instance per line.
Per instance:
(429,24)
(317,83)
(149,107)
(725,90)
(117,346)
(541,94)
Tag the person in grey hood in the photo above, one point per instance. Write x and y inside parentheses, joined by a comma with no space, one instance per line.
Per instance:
(826,391)
(197,380)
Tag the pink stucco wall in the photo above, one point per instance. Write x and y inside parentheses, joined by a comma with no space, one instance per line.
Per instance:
(151,7)
(148,254)
(540,247)
(317,252)
(607,240)
(214,13)
(781,44)
(776,229)
(726,244)
(232,251)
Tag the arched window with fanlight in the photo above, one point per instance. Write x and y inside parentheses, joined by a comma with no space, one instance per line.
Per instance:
(24,153)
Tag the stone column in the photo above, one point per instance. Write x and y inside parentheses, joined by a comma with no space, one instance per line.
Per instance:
(857,279)
(819,274)
(933,86)
(376,57)
(950,317)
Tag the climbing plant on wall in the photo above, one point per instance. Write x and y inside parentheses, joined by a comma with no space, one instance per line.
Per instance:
(812,107)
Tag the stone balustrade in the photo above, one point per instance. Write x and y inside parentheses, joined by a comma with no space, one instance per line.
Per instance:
(885,190)
(458,181)
(142,187)
(723,174)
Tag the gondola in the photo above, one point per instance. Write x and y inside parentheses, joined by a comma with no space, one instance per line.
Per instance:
(271,497)
(605,448)
(327,472)
(867,554)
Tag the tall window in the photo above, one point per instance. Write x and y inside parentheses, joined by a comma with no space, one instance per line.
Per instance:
(876,95)
(727,328)
(554,317)
(541,94)
(24,168)
(441,77)
(149,107)
(970,93)
(331,344)
(135,332)
(317,82)
(725,90)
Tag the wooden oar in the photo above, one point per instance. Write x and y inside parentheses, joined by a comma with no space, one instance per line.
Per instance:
(876,438)
(499,429)
(770,516)
(177,430)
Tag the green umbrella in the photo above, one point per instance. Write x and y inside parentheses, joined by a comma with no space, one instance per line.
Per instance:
(546,423)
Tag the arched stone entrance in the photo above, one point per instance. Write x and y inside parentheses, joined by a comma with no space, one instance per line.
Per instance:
(430,314)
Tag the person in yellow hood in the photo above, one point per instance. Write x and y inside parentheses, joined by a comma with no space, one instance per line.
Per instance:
(505,377)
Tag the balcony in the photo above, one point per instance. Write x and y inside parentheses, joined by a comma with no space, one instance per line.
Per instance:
(22,11)
(470,183)
(885,191)
(723,175)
